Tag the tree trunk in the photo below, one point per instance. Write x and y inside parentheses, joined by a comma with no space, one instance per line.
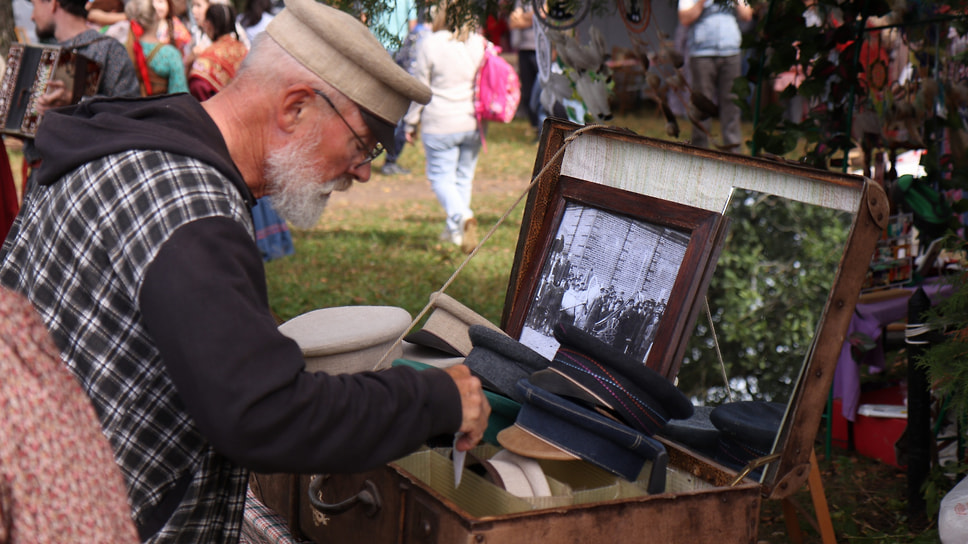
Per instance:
(6,27)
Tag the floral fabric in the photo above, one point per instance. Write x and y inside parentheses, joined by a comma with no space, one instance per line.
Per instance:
(58,479)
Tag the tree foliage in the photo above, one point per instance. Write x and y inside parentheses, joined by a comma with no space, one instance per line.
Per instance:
(765,299)
(6,27)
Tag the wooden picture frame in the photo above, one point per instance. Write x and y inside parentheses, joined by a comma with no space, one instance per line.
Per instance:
(625,267)
(706,179)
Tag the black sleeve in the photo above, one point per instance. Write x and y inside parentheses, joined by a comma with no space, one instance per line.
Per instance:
(205,305)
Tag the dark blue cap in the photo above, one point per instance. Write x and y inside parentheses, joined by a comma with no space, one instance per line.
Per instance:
(634,393)
(747,430)
(499,361)
(551,427)
(696,432)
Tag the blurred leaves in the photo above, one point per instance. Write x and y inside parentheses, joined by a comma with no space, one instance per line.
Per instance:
(766,297)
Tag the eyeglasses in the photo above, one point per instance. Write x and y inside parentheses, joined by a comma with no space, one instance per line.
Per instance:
(368,156)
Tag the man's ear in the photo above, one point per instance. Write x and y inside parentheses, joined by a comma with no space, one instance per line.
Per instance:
(296,103)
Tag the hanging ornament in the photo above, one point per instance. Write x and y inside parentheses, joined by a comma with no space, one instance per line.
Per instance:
(561,14)
(636,14)
(542,49)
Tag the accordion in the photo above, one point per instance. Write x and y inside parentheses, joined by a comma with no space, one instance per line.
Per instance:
(30,69)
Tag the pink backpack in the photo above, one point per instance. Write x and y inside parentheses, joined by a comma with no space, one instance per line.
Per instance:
(497,88)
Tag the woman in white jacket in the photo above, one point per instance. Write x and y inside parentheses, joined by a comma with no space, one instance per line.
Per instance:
(447,61)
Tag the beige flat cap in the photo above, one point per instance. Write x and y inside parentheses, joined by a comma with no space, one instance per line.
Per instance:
(447,327)
(344,53)
(347,339)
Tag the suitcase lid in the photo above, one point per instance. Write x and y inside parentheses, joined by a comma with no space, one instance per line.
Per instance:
(674,188)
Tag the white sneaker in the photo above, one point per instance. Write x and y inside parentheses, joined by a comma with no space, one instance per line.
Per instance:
(452,237)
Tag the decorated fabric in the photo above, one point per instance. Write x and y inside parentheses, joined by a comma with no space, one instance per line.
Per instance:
(217,64)
(271,232)
(58,479)
(180,37)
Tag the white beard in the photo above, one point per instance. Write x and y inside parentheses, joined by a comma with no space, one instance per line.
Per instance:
(293,185)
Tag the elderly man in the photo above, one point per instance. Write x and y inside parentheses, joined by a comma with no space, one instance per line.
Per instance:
(138,250)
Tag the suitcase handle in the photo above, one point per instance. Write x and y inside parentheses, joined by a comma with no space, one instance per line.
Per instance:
(369,497)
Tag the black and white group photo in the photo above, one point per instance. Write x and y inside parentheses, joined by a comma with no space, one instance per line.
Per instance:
(607,274)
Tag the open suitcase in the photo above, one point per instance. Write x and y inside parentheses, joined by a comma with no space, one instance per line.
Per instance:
(414,500)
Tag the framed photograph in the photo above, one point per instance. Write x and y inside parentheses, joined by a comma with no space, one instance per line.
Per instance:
(622,266)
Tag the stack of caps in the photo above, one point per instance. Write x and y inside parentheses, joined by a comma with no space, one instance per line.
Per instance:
(499,361)
(518,475)
(597,404)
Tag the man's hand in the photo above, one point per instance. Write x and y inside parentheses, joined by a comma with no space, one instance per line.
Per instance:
(520,19)
(56,95)
(474,406)
(100,17)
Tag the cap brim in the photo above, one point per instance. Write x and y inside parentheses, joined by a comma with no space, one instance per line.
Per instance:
(382,130)
(522,442)
(553,381)
(429,339)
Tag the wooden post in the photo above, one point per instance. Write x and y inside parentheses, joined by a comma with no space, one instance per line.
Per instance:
(919,406)
(822,524)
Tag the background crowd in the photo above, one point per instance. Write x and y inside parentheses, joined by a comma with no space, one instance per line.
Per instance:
(158,47)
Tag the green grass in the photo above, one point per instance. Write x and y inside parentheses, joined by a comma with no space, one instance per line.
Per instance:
(392,256)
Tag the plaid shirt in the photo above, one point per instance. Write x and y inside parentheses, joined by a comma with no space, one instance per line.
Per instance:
(84,273)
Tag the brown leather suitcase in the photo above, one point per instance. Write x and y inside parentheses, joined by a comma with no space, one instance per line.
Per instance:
(413,500)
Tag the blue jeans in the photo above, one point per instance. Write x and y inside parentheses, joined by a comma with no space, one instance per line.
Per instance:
(451,161)
(399,140)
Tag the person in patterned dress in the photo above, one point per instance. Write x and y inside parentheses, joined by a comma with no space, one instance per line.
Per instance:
(58,480)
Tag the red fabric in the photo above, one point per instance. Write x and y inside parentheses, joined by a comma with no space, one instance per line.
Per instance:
(139,54)
(201,89)
(496,30)
(9,203)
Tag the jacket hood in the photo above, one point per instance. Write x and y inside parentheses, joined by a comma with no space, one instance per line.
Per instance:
(70,137)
